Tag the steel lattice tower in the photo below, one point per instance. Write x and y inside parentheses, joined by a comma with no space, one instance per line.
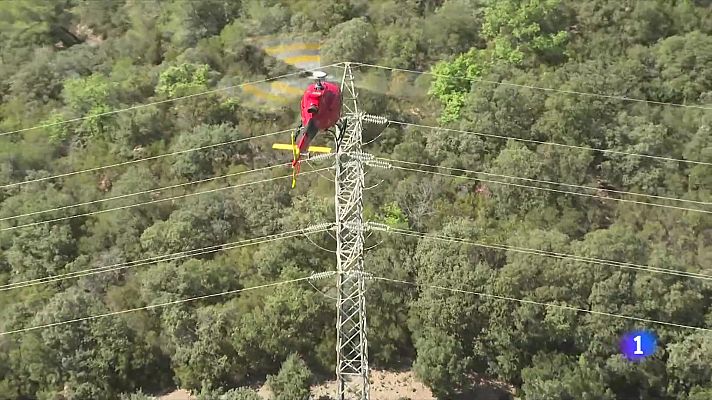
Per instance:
(351,342)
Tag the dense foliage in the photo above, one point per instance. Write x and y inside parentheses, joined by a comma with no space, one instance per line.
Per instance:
(66,59)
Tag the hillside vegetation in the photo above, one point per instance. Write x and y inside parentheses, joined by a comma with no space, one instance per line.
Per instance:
(68,59)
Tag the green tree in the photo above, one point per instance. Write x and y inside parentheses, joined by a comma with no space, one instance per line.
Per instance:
(453,28)
(516,332)
(700,148)
(561,377)
(689,362)
(272,330)
(206,359)
(293,380)
(416,194)
(187,22)
(387,308)
(681,61)
(399,46)
(200,164)
(699,393)
(83,95)
(92,360)
(89,97)
(514,29)
(637,380)
(203,221)
(441,363)
(265,17)
(393,216)
(36,22)
(119,229)
(517,161)
(39,251)
(518,27)
(456,150)
(327,16)
(232,39)
(142,40)
(349,41)
(189,278)
(264,207)
(453,80)
(183,79)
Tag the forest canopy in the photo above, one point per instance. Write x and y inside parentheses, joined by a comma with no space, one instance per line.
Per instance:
(538,178)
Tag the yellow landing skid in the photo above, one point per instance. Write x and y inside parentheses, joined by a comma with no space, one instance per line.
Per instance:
(312,149)
(295,152)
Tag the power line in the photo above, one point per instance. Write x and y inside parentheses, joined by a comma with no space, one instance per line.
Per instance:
(544,304)
(660,158)
(149,307)
(159,189)
(156,201)
(552,254)
(93,169)
(546,89)
(551,190)
(170,100)
(161,258)
(706,203)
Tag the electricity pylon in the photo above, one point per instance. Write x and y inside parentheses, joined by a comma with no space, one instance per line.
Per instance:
(351,342)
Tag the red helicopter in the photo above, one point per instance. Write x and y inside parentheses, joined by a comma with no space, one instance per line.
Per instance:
(320,111)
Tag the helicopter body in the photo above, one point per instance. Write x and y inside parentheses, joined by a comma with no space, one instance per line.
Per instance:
(326,101)
(320,111)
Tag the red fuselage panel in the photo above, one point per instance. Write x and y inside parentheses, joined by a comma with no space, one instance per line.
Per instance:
(328,102)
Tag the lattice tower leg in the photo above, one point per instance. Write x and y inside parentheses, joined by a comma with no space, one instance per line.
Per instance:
(351,343)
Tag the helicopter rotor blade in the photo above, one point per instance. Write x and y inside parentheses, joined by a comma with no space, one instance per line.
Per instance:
(392,83)
(302,54)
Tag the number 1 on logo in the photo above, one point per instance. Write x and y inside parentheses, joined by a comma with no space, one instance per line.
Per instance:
(637,345)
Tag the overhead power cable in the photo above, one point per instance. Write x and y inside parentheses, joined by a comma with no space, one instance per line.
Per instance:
(161,258)
(541,88)
(544,304)
(553,254)
(596,189)
(143,192)
(546,189)
(170,100)
(156,201)
(585,148)
(140,160)
(151,306)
